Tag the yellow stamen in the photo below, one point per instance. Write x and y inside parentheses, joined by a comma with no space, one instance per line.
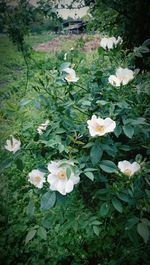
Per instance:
(61,174)
(69,77)
(37,179)
(128,172)
(99,128)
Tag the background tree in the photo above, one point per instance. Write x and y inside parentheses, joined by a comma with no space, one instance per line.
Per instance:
(128,18)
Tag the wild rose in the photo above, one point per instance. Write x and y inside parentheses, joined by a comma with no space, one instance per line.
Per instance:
(70,75)
(123,77)
(42,127)
(127,168)
(13,145)
(99,126)
(58,177)
(109,43)
(36,177)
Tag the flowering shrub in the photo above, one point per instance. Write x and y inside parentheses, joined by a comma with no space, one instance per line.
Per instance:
(85,171)
(122,77)
(110,43)
(12,145)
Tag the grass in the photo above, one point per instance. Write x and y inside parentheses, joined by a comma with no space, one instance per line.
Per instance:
(12,62)
(13,79)
(34,39)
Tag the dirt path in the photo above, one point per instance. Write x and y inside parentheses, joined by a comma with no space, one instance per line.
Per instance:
(83,41)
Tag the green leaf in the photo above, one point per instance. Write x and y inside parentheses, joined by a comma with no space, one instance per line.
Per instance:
(143,49)
(117,205)
(24,102)
(117,131)
(96,222)
(147,193)
(88,145)
(145,221)
(48,200)
(108,166)
(19,164)
(30,236)
(128,130)
(42,233)
(90,169)
(96,230)
(64,65)
(104,209)
(146,42)
(143,231)
(89,175)
(30,208)
(131,222)
(68,172)
(96,153)
(100,51)
(103,191)
(5,164)
(60,131)
(124,197)
(47,222)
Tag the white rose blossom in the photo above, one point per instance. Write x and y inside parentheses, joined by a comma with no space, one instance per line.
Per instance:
(12,145)
(36,177)
(58,179)
(70,75)
(42,127)
(127,168)
(123,77)
(109,43)
(99,127)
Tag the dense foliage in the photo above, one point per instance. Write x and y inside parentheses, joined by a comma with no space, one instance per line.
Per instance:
(75,158)
(100,220)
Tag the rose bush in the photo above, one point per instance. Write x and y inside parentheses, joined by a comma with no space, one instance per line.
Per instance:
(84,173)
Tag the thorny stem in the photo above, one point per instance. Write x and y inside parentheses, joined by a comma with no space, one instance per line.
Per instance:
(81,87)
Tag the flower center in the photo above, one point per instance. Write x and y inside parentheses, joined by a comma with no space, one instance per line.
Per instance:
(37,179)
(69,77)
(99,128)
(128,172)
(62,174)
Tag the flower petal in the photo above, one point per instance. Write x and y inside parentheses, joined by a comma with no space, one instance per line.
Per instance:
(53,166)
(69,186)
(123,165)
(61,186)
(135,167)
(110,125)
(114,81)
(75,179)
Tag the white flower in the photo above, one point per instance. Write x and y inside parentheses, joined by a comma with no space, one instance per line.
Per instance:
(71,75)
(36,177)
(58,179)
(110,43)
(12,145)
(71,49)
(65,56)
(43,127)
(98,126)
(123,77)
(128,168)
